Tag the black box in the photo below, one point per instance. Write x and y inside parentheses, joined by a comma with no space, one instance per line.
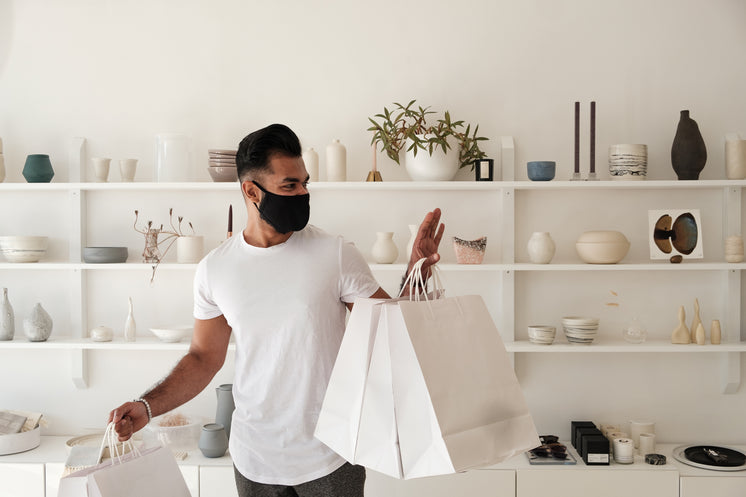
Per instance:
(581,434)
(595,450)
(574,425)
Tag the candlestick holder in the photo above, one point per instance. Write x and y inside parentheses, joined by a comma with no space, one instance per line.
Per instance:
(576,177)
(592,177)
(374,176)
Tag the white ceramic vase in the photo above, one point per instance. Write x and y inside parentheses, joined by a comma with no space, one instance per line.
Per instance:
(38,326)
(735,158)
(541,247)
(101,168)
(384,251)
(7,318)
(413,229)
(130,328)
(127,168)
(441,166)
(189,249)
(336,162)
(311,160)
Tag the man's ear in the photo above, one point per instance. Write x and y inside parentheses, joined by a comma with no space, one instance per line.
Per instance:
(250,191)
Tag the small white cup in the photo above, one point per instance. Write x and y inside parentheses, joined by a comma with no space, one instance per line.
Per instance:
(127,169)
(647,443)
(101,168)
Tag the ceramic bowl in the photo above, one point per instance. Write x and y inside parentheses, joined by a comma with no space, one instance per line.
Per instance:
(223,174)
(172,334)
(602,247)
(541,170)
(469,251)
(23,248)
(580,330)
(104,255)
(541,334)
(175,431)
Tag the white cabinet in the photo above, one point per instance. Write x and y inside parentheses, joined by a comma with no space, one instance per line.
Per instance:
(21,480)
(713,486)
(487,483)
(217,481)
(595,481)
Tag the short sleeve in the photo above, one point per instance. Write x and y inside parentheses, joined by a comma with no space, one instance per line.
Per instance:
(355,275)
(204,306)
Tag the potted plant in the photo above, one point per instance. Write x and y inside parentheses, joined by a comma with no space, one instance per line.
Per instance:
(449,144)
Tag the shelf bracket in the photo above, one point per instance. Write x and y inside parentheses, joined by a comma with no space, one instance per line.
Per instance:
(79,368)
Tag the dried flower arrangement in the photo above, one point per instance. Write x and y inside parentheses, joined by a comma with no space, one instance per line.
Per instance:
(155,238)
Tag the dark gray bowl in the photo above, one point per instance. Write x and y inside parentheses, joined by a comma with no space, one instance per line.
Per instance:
(104,255)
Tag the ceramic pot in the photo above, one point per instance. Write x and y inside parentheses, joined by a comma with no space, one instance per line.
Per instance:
(441,166)
(628,161)
(127,168)
(226,406)
(336,162)
(413,229)
(688,152)
(189,249)
(735,159)
(311,160)
(7,318)
(734,249)
(38,169)
(541,170)
(384,251)
(602,247)
(469,251)
(541,248)
(38,326)
(213,441)
(101,168)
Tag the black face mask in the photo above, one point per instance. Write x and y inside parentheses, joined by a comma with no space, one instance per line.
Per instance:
(285,213)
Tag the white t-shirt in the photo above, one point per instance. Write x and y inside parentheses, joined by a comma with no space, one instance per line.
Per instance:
(286,307)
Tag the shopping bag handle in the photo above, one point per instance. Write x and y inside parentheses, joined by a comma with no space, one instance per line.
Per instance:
(416,279)
(111,440)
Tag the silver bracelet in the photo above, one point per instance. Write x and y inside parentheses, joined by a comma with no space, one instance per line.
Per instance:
(147,407)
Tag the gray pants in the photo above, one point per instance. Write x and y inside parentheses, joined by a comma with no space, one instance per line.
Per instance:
(347,481)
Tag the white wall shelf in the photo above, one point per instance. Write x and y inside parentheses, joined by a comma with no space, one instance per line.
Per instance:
(619,346)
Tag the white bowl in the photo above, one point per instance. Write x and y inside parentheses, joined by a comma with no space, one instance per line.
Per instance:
(20,442)
(580,321)
(172,334)
(23,248)
(180,438)
(602,247)
(540,334)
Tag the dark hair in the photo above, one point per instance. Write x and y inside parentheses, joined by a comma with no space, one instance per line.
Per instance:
(257,148)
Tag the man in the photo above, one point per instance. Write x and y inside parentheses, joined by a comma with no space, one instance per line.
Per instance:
(282,289)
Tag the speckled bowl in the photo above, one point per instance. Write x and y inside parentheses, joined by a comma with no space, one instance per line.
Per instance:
(469,251)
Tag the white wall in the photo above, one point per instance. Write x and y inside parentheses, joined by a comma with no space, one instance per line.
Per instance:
(120,72)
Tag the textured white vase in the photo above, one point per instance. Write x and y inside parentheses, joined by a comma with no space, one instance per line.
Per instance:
(38,326)
(437,167)
(541,247)
(384,251)
(101,168)
(336,162)
(130,329)
(735,158)
(7,318)
(189,249)
(311,160)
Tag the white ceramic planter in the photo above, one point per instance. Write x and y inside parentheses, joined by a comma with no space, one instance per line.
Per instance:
(541,248)
(189,249)
(384,251)
(438,167)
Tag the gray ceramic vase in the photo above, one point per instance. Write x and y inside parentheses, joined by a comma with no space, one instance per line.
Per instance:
(7,318)
(213,441)
(224,411)
(688,152)
(38,326)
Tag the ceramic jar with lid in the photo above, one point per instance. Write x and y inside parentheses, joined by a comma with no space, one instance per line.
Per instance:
(602,247)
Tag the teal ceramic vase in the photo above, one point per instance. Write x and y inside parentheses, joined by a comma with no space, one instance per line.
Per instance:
(38,169)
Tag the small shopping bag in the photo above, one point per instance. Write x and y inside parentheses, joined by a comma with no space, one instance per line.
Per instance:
(150,473)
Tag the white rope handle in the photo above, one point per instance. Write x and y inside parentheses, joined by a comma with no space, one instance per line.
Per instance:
(111,440)
(415,279)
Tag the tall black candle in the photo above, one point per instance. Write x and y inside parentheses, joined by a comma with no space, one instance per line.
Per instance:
(577,137)
(593,137)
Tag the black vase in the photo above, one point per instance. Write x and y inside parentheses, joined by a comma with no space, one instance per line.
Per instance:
(688,152)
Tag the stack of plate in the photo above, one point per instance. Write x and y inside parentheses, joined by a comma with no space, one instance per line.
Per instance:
(222,165)
(542,335)
(579,329)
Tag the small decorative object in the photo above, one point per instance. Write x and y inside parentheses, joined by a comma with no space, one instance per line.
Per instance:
(635,332)
(101,168)
(602,247)
(7,318)
(127,168)
(576,171)
(105,255)
(23,248)
(311,160)
(38,169)
(735,157)
(541,334)
(469,251)
(676,259)
(336,161)
(592,174)
(675,232)
(696,321)
(580,330)
(688,151)
(155,238)
(734,249)
(189,249)
(225,407)
(230,222)
(213,442)
(222,165)
(373,174)
(541,170)
(384,251)
(173,334)
(638,427)
(172,158)
(541,247)
(38,326)
(655,459)
(484,169)
(624,450)
(222,174)
(130,328)
(681,334)
(715,332)
(102,334)
(700,335)
(413,229)
(449,144)
(628,162)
